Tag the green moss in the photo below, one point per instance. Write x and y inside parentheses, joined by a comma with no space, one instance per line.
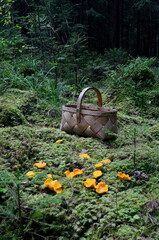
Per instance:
(78,212)
(11,116)
(14,106)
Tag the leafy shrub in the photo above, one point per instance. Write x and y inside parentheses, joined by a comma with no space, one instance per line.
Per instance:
(5,50)
(116,56)
(7,72)
(97,68)
(26,69)
(130,84)
(7,69)
(139,71)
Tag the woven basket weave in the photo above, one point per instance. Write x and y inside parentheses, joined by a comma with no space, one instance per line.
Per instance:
(89,121)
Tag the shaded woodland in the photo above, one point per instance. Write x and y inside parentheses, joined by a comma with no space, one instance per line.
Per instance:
(132,25)
(58,186)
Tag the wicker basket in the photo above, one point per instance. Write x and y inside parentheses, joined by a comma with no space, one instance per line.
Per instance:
(89,121)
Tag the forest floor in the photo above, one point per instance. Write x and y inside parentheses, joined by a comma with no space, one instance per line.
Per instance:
(128,210)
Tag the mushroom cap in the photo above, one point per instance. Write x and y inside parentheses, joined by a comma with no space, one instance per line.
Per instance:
(106,160)
(77,172)
(97,173)
(84,155)
(53,185)
(69,174)
(89,183)
(40,164)
(30,174)
(59,141)
(49,175)
(101,188)
(123,176)
(98,165)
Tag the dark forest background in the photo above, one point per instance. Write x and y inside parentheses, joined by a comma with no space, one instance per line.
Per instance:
(132,25)
(56,46)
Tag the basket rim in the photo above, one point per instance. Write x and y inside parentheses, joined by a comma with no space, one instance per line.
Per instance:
(89,109)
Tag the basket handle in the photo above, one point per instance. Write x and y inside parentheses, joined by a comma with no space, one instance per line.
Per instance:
(80,98)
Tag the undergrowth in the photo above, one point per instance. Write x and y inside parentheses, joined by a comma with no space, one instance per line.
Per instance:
(129,210)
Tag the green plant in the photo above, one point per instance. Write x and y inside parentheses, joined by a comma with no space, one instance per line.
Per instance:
(140,72)
(116,56)
(131,84)
(11,210)
(17,211)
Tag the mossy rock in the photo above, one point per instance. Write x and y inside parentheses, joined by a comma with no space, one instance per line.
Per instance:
(11,116)
(15,104)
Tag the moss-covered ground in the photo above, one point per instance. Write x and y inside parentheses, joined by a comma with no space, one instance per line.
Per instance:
(129,210)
